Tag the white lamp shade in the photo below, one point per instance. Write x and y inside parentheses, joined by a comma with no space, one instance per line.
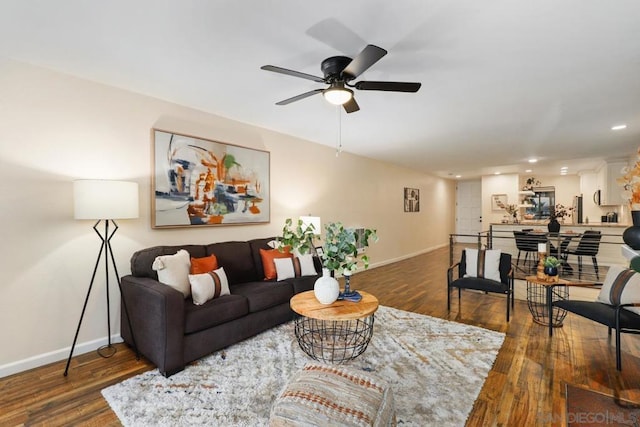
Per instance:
(312,220)
(105,199)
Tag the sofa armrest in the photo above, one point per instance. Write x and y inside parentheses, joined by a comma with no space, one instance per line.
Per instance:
(157,321)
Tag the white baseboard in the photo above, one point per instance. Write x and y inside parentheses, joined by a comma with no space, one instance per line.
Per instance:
(54,356)
(411,255)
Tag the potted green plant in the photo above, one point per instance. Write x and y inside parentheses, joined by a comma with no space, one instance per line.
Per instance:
(340,249)
(339,253)
(551,265)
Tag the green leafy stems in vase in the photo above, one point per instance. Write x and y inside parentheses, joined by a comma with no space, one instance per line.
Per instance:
(340,249)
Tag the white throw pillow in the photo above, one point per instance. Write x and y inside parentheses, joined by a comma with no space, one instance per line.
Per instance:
(307,268)
(489,269)
(284,268)
(287,268)
(173,270)
(621,286)
(207,286)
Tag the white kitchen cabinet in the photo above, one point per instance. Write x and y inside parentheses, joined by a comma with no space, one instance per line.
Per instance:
(610,190)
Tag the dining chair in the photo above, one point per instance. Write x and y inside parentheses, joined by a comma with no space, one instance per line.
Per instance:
(527,242)
(589,245)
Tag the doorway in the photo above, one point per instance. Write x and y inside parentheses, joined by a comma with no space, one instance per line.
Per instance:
(468,211)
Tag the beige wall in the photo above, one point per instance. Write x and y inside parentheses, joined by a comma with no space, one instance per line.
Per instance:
(56,128)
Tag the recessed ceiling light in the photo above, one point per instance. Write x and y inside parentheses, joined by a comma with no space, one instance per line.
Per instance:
(618,127)
(529,170)
(458,176)
(533,160)
(496,173)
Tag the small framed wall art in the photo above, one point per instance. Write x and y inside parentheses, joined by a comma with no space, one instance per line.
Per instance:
(200,182)
(411,199)
(498,202)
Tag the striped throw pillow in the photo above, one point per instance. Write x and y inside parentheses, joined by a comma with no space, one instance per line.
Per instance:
(621,286)
(288,268)
(207,286)
(483,263)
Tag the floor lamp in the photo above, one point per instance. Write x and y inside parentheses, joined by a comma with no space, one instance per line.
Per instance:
(104,201)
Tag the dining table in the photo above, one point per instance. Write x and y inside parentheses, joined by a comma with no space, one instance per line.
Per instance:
(557,245)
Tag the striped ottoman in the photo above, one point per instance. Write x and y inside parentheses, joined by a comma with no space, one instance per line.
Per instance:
(322,395)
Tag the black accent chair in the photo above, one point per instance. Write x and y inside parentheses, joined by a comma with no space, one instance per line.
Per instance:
(504,286)
(612,316)
(589,245)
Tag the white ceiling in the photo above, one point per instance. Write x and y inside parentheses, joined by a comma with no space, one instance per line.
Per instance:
(502,80)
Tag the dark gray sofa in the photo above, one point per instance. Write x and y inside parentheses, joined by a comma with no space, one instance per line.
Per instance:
(171,331)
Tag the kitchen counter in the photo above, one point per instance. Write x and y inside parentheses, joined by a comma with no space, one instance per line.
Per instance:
(526,223)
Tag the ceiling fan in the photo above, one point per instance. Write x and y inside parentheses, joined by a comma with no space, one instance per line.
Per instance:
(338,72)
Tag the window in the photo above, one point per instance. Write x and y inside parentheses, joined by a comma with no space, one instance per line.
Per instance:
(541,202)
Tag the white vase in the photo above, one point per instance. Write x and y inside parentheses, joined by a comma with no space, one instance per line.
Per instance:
(326,288)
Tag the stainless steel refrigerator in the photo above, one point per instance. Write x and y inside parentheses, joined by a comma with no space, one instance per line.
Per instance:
(577,209)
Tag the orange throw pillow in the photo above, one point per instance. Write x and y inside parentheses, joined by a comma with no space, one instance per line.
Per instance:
(268,265)
(204,265)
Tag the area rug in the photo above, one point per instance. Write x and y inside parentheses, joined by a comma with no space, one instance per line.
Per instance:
(436,369)
(592,408)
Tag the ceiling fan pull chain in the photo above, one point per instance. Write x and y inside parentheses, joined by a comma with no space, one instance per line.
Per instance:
(339,147)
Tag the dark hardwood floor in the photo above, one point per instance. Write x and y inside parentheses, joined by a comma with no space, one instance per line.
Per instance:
(525,387)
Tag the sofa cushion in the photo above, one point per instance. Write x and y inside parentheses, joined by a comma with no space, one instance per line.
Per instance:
(213,312)
(203,265)
(173,270)
(480,284)
(142,260)
(256,245)
(237,261)
(268,261)
(307,265)
(296,266)
(483,263)
(262,295)
(304,283)
(621,286)
(207,286)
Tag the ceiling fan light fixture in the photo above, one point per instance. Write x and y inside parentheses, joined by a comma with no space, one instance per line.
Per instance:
(337,95)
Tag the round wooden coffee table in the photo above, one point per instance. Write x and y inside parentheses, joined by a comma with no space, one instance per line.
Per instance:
(334,333)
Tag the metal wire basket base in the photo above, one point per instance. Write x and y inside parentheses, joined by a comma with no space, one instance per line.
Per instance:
(334,341)
(537,301)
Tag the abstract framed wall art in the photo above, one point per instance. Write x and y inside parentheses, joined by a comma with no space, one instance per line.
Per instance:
(200,182)
(411,200)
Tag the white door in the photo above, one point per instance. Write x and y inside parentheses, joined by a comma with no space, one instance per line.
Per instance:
(468,211)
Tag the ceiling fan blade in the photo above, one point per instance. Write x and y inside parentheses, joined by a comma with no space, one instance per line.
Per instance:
(351,106)
(292,73)
(299,97)
(365,59)
(388,86)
